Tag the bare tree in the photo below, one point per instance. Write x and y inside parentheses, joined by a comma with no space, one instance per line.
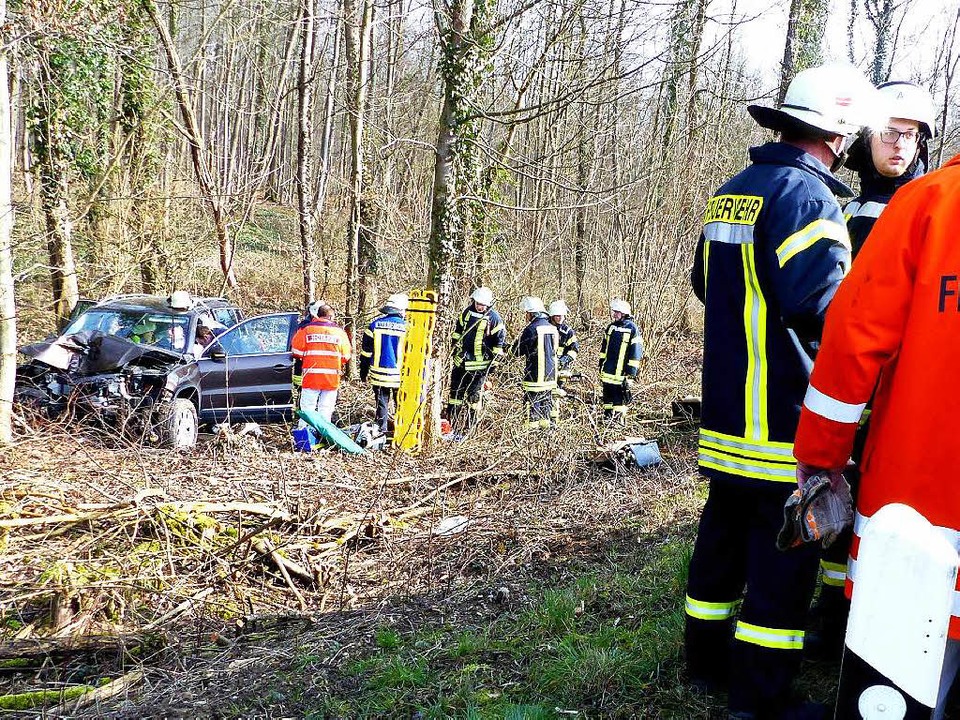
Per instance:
(8,309)
(804,44)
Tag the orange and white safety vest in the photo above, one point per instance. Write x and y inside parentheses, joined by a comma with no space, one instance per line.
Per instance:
(324,349)
(894,325)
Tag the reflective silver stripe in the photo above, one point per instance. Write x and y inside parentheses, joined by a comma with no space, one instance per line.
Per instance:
(769,637)
(769,471)
(833,574)
(832,409)
(755,329)
(820,229)
(728,234)
(326,353)
(784,450)
(320,371)
(869,209)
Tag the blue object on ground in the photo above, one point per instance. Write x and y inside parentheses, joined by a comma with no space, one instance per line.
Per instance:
(304,439)
(330,432)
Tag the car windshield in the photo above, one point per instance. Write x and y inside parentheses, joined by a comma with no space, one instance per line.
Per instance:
(158,329)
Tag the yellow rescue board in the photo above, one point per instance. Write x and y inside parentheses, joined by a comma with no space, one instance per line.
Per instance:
(410,417)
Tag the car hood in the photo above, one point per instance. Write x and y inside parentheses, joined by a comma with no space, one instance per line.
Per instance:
(91,352)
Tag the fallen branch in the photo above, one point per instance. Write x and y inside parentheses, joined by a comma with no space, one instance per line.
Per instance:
(181,608)
(266,549)
(45,647)
(112,688)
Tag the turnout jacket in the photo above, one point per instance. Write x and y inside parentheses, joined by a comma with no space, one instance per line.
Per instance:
(322,348)
(381,350)
(539,343)
(875,192)
(771,255)
(895,326)
(478,339)
(568,347)
(621,352)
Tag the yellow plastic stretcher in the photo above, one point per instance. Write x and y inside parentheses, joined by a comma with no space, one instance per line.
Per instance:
(410,417)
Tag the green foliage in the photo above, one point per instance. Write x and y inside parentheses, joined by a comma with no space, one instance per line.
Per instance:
(387,638)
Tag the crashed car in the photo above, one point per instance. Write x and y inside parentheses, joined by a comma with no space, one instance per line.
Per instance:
(144,364)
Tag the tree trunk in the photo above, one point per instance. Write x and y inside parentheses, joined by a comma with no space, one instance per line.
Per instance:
(804,43)
(198,152)
(8,310)
(305,147)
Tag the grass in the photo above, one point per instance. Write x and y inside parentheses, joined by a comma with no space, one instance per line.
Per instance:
(599,645)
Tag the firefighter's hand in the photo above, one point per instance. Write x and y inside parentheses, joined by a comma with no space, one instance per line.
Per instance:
(298,380)
(488,384)
(805,473)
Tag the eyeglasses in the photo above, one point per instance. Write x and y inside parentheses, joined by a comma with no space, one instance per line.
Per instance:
(892,137)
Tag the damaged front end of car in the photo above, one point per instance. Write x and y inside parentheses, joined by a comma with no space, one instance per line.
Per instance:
(95,374)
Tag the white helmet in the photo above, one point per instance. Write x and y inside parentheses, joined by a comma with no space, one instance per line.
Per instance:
(834,99)
(532,304)
(558,307)
(620,306)
(398,301)
(483,295)
(315,307)
(179,300)
(909,101)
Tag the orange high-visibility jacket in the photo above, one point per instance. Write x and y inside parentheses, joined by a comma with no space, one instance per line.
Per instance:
(324,349)
(894,325)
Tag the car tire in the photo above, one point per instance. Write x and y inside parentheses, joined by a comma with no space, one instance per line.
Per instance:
(178,424)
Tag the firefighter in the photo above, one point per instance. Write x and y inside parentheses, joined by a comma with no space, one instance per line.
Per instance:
(893,328)
(479,337)
(321,350)
(885,158)
(569,347)
(619,360)
(771,254)
(888,157)
(381,355)
(538,344)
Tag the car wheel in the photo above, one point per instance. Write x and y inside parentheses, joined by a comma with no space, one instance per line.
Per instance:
(178,424)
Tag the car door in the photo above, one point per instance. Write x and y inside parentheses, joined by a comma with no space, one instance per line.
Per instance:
(245,373)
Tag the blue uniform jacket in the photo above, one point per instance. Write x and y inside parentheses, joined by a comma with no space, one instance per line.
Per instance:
(538,344)
(773,250)
(876,191)
(381,351)
(621,352)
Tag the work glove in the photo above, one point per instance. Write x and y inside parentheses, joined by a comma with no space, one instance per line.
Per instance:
(298,380)
(819,511)
(807,472)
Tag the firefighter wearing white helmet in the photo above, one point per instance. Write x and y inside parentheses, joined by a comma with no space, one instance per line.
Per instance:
(381,355)
(620,358)
(889,154)
(569,346)
(771,254)
(479,337)
(538,345)
(886,158)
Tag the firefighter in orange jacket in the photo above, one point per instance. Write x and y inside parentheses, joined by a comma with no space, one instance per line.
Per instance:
(894,325)
(321,349)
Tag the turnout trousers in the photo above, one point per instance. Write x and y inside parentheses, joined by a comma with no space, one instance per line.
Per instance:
(758,652)
(540,408)
(386,401)
(615,401)
(466,392)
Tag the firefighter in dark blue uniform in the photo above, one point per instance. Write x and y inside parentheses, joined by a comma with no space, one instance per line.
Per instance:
(479,337)
(381,355)
(619,360)
(569,349)
(771,255)
(885,159)
(538,344)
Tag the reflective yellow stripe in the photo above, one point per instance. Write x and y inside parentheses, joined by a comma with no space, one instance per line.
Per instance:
(834,574)
(755,327)
(748,450)
(819,229)
(769,637)
(703,610)
(706,263)
(744,467)
(777,447)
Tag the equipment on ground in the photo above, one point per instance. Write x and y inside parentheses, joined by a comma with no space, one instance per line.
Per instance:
(330,432)
(416,375)
(904,578)
(816,512)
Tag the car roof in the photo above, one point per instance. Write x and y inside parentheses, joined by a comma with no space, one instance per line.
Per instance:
(160,303)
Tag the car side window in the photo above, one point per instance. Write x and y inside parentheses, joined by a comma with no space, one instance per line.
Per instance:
(259,336)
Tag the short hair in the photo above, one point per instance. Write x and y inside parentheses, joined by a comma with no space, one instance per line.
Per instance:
(325,311)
